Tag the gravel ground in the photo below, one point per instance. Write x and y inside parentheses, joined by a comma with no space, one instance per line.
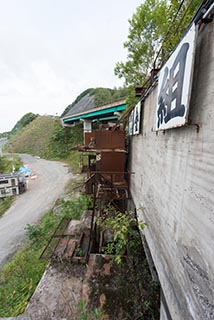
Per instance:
(30,206)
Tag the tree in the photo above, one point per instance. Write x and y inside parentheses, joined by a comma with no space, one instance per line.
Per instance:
(154,22)
(24,121)
(101,96)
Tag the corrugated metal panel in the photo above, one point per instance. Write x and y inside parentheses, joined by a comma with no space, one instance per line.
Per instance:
(96,113)
(105,139)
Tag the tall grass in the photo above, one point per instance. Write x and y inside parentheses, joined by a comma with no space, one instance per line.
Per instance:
(19,278)
(5,204)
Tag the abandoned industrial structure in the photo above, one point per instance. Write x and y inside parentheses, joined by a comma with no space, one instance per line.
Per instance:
(169,183)
(103,160)
(171,153)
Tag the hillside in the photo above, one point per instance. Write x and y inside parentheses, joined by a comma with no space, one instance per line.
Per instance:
(97,97)
(43,137)
(24,121)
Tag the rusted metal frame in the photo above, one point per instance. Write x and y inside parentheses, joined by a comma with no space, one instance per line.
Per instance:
(48,257)
(63,249)
(72,255)
(95,198)
(91,175)
(78,245)
(90,156)
(114,172)
(98,150)
(69,237)
(126,173)
(113,188)
(79,242)
(112,194)
(111,173)
(65,219)
(46,247)
(64,236)
(91,227)
(101,241)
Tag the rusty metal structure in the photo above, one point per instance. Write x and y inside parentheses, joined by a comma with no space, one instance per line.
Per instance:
(67,245)
(103,159)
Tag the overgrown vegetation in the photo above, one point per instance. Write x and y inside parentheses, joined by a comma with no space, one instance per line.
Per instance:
(34,138)
(24,121)
(10,162)
(129,290)
(155,23)
(5,204)
(84,314)
(124,227)
(4,134)
(102,96)
(106,95)
(62,141)
(46,138)
(19,278)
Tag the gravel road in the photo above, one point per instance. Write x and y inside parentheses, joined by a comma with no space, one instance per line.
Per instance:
(30,206)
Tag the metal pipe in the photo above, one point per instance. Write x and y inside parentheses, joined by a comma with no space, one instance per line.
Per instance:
(208,11)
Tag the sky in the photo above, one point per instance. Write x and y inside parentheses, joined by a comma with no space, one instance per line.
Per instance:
(52,50)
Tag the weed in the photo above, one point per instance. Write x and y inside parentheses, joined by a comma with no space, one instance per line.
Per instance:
(5,204)
(84,314)
(75,207)
(124,227)
(20,277)
(10,162)
(33,232)
(80,252)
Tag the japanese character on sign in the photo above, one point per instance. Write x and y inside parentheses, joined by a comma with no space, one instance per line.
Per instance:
(167,94)
(136,119)
(174,86)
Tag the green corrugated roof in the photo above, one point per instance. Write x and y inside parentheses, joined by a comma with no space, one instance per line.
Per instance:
(96,113)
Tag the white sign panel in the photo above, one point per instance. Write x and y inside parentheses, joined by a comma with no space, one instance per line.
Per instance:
(174,85)
(131,120)
(134,120)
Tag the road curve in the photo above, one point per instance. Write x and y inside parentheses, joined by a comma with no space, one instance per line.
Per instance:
(29,207)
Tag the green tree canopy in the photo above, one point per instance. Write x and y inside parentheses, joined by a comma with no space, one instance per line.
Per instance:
(102,96)
(25,120)
(154,22)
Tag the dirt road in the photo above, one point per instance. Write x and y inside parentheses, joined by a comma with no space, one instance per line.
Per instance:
(31,205)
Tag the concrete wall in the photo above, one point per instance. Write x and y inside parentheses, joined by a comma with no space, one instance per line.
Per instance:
(173,191)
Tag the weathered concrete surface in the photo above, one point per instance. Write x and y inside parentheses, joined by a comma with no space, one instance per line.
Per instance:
(57,294)
(173,190)
(121,291)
